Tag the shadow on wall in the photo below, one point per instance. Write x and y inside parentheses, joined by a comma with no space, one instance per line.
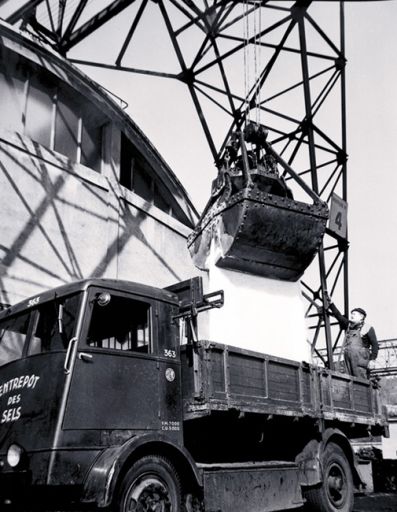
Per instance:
(61,223)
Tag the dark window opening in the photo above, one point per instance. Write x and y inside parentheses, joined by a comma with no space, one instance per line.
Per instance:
(159,200)
(133,174)
(66,126)
(91,144)
(12,92)
(123,324)
(142,184)
(136,176)
(39,110)
(126,163)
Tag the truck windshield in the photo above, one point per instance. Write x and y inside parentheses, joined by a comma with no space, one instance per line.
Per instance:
(38,330)
(13,333)
(47,335)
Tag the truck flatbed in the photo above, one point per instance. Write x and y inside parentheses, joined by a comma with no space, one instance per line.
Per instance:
(223,378)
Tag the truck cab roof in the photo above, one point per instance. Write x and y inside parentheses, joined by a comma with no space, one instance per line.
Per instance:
(82,285)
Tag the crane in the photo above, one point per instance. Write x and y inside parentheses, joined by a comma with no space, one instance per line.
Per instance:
(291,82)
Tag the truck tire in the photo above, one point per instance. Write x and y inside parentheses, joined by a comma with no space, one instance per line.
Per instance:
(335,493)
(150,484)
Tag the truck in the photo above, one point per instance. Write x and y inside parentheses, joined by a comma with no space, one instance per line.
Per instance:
(110,400)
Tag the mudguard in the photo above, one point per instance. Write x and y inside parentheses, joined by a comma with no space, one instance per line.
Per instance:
(102,479)
(309,459)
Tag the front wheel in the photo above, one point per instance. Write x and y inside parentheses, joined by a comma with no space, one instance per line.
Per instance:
(335,493)
(150,485)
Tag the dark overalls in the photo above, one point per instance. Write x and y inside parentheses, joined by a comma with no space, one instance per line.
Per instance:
(356,353)
(360,345)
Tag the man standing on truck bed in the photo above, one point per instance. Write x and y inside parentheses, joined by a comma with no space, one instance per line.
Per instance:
(360,345)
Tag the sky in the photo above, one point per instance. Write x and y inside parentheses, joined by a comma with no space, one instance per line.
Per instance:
(372,167)
(164,111)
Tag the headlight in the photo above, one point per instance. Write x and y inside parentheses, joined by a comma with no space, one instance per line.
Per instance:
(14,455)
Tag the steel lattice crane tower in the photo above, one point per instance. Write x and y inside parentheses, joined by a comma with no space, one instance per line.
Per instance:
(292,81)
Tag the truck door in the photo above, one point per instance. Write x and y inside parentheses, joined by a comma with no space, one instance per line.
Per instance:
(33,345)
(115,377)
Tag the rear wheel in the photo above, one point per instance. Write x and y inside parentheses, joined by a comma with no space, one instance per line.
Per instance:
(335,494)
(150,485)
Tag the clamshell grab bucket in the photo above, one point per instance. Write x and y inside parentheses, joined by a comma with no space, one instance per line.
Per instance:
(262,233)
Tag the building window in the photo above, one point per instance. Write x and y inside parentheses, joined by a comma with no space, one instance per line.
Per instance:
(49,112)
(13,83)
(137,176)
(142,184)
(39,110)
(91,142)
(159,200)
(133,173)
(67,126)
(127,161)
(78,132)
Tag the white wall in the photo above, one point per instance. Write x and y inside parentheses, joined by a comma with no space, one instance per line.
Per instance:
(63,222)
(389,445)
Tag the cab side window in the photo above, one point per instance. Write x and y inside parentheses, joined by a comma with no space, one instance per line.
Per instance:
(122,324)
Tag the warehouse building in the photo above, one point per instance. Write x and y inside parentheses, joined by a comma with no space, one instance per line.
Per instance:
(83,191)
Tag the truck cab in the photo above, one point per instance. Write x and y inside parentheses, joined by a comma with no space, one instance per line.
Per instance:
(87,366)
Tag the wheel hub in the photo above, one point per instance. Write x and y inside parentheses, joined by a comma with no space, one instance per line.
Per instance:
(336,485)
(148,494)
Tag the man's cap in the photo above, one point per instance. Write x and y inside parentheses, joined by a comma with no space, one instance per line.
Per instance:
(360,310)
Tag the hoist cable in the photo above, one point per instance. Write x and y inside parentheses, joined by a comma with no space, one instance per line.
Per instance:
(247,108)
(257,59)
(260,64)
(256,63)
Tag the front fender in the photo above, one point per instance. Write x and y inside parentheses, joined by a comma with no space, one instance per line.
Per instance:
(104,475)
